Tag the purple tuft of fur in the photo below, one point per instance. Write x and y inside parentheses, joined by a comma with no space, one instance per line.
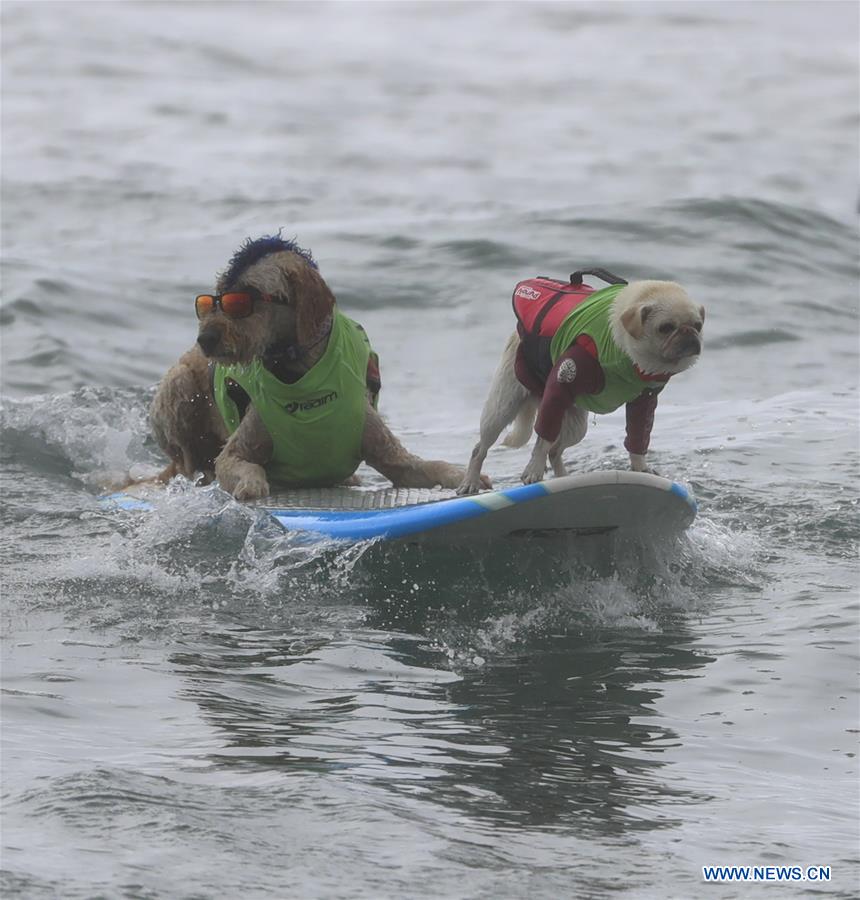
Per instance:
(254,250)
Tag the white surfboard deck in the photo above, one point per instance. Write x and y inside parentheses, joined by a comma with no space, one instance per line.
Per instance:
(593,503)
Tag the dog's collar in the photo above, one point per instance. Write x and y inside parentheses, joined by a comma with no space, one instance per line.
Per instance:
(652,376)
(296,352)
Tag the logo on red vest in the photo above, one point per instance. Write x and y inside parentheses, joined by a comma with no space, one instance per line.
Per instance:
(527,293)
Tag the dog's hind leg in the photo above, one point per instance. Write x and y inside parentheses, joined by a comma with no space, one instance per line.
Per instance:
(507,400)
(574,426)
(523,427)
(556,462)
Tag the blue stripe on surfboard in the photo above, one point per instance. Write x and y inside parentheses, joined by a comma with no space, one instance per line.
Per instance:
(392,523)
(396,522)
(524,492)
(681,491)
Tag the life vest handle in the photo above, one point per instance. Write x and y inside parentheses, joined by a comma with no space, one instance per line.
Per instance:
(602,274)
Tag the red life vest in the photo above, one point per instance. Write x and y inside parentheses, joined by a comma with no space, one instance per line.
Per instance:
(542,304)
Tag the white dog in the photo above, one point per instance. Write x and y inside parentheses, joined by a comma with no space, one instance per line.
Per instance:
(579,350)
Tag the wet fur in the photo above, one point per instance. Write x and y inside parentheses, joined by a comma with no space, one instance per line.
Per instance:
(187,424)
(636,315)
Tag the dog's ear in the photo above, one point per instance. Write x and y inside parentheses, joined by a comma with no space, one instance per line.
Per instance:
(633,320)
(313,302)
(702,313)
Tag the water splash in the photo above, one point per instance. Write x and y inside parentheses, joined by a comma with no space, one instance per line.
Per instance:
(95,435)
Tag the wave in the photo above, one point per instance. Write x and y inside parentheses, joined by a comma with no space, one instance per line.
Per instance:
(92,434)
(758,338)
(202,553)
(730,243)
(199,553)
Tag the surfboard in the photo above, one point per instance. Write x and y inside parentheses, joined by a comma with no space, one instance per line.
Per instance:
(592,503)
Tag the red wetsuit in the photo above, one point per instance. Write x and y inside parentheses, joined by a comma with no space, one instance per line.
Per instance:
(557,396)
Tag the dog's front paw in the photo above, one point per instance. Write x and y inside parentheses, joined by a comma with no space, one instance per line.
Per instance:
(447,475)
(472,485)
(638,463)
(533,472)
(251,486)
(244,480)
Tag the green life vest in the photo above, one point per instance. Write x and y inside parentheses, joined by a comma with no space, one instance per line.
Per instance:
(622,380)
(316,423)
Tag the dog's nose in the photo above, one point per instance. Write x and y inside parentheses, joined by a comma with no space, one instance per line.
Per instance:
(208,339)
(692,345)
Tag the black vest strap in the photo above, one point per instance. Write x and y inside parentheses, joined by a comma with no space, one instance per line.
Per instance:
(536,325)
(602,274)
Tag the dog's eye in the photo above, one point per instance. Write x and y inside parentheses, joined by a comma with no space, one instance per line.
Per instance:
(666,328)
(697,326)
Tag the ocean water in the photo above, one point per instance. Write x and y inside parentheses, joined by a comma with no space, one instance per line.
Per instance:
(197,706)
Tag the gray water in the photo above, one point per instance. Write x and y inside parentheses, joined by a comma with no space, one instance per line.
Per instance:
(198,706)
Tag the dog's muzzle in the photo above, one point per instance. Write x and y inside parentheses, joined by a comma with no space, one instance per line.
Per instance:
(688,342)
(209,338)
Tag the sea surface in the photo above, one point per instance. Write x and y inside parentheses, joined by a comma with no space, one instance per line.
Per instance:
(195,704)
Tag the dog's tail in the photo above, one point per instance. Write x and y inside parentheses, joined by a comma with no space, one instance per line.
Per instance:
(521,431)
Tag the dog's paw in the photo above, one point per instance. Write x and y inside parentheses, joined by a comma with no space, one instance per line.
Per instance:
(638,463)
(252,486)
(533,472)
(471,485)
(444,474)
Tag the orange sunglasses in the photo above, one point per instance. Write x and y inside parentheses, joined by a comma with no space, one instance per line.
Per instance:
(234,305)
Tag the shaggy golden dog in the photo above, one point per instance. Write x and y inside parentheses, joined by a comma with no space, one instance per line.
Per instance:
(280,387)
